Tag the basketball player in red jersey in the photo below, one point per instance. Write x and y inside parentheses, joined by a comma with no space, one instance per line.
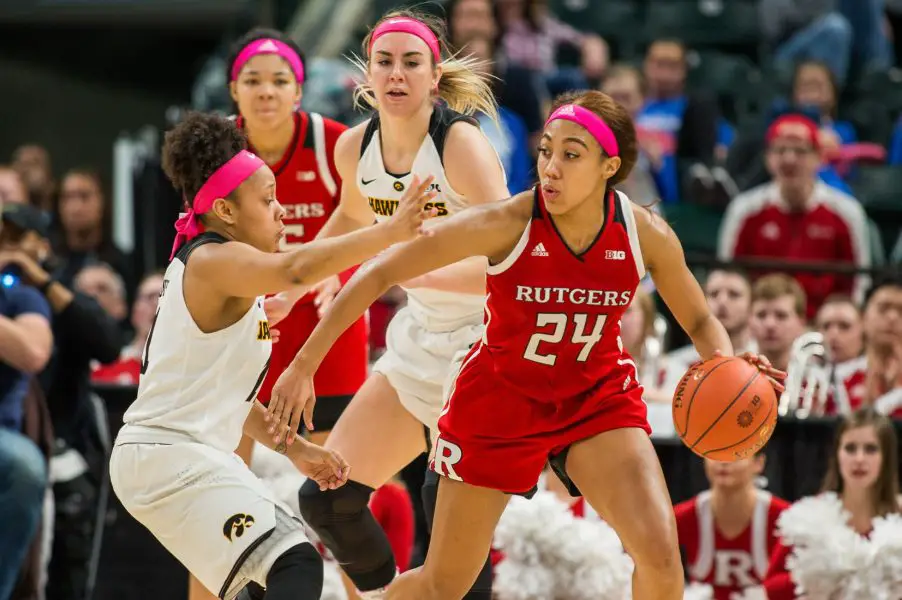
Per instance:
(550,378)
(266,74)
(728,532)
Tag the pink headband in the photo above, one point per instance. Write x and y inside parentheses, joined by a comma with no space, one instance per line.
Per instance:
(269,46)
(411,26)
(592,123)
(220,184)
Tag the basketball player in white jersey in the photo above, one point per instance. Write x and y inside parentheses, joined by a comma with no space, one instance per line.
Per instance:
(173,466)
(421,125)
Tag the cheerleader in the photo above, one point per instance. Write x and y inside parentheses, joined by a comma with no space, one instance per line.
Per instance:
(727,533)
(846,543)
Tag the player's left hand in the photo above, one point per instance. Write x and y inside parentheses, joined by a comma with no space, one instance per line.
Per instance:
(760,362)
(325,291)
(326,467)
(292,397)
(277,307)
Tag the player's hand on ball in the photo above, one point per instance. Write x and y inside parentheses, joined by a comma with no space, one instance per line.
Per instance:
(326,467)
(407,221)
(292,397)
(760,362)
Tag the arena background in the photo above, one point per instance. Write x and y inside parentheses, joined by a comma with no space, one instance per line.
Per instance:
(96,83)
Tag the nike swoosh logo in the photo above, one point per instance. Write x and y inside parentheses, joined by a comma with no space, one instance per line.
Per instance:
(365,182)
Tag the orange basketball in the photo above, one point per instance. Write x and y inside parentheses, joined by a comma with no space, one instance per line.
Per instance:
(725,409)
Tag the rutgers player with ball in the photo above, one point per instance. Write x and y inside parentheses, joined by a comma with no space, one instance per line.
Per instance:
(550,379)
(266,74)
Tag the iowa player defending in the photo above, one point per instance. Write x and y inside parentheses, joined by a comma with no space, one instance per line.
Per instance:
(420,126)
(550,378)
(266,74)
(173,466)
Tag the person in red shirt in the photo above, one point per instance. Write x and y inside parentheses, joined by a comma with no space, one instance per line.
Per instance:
(550,379)
(864,474)
(727,533)
(797,217)
(266,76)
(127,368)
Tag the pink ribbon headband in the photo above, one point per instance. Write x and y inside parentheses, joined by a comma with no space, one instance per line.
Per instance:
(221,183)
(269,46)
(411,26)
(592,123)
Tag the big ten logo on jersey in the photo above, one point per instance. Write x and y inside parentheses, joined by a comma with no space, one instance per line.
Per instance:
(447,454)
(733,568)
(263,333)
(386,208)
(294,227)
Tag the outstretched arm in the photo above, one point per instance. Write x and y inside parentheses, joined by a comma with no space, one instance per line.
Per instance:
(241,271)
(486,231)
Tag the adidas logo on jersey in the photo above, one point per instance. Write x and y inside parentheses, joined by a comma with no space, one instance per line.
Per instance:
(539,250)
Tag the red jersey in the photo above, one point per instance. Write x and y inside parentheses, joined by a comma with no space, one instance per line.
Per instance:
(833,229)
(553,316)
(729,565)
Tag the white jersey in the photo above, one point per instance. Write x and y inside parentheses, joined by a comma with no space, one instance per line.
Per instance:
(194,385)
(440,310)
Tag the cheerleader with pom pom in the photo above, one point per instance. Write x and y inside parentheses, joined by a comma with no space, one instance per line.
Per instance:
(727,533)
(846,544)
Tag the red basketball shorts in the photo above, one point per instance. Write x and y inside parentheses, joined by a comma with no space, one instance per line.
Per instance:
(343,370)
(493,436)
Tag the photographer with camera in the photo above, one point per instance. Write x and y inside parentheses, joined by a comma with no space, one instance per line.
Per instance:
(82,332)
(25,346)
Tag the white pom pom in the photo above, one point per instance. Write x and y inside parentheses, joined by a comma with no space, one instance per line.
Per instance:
(516,581)
(552,555)
(698,591)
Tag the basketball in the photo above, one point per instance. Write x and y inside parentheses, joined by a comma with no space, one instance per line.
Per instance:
(725,409)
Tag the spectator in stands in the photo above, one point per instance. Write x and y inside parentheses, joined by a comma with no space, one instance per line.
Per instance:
(102,283)
(508,135)
(687,124)
(82,332)
(729,295)
(84,218)
(814,85)
(796,217)
(33,164)
(626,85)
(532,37)
(517,88)
(25,346)
(12,188)
(863,473)
(839,321)
(813,29)
(778,316)
(883,332)
(127,368)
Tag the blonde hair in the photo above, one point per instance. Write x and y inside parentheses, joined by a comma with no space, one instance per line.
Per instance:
(463,84)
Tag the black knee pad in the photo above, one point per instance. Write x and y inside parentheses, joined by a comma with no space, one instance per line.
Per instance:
(482,588)
(343,521)
(320,507)
(296,575)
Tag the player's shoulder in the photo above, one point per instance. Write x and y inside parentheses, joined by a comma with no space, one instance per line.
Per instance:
(333,129)
(350,139)
(519,208)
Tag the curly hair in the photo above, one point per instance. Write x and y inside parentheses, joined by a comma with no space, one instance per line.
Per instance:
(259,33)
(195,148)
